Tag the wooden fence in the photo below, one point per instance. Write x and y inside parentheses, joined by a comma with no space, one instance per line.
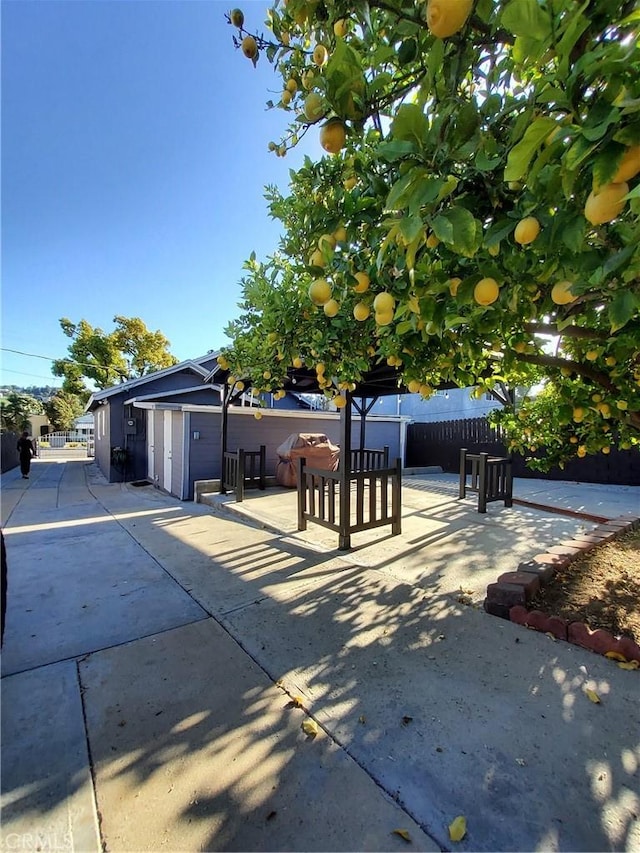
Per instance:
(243,469)
(440,444)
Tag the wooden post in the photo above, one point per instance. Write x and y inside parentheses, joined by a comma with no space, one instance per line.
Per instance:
(509,482)
(396,500)
(240,472)
(463,473)
(263,466)
(226,396)
(344,470)
(482,483)
(302,494)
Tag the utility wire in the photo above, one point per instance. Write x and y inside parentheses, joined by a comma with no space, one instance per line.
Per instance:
(65,360)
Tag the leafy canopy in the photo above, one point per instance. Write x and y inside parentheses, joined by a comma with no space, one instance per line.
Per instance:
(129,351)
(528,110)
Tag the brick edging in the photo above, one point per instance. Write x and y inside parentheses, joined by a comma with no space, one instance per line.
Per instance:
(509,595)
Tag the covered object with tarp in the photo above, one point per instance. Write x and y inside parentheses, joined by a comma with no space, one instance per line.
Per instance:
(316,448)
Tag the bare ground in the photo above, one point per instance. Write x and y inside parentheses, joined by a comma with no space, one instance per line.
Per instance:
(601,588)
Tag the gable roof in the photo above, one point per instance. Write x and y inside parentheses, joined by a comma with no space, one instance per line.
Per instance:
(161,395)
(195,365)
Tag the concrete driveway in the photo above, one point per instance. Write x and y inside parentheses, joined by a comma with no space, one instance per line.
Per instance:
(160,660)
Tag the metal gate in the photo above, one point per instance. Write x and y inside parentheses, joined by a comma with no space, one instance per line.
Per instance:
(72,444)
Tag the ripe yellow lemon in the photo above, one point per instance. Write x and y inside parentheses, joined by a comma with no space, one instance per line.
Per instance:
(317,259)
(249,47)
(606,204)
(340,234)
(592,355)
(414,386)
(526,230)
(384,303)
(486,291)
(331,307)
(320,291)
(363,282)
(297,362)
(258,415)
(286,97)
(320,55)
(350,182)
(327,242)
(333,136)
(320,368)
(432,241)
(361,311)
(629,165)
(581,451)
(308,78)
(237,17)
(383,318)
(314,106)
(446,17)
(561,293)
(291,86)
(339,402)
(622,405)
(340,28)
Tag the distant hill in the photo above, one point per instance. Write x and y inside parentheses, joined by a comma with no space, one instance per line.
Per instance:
(40,392)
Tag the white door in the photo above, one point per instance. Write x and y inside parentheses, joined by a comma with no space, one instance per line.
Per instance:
(151,448)
(167,451)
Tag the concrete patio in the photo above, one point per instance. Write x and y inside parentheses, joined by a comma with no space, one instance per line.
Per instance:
(160,658)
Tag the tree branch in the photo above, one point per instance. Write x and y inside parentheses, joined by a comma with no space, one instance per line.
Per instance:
(581,369)
(567,332)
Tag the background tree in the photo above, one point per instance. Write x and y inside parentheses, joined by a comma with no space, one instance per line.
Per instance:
(16,410)
(130,351)
(62,410)
(477,220)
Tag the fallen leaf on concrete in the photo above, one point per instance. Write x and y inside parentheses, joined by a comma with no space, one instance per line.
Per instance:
(615,656)
(362,719)
(551,636)
(521,762)
(297,701)
(458,828)
(403,834)
(309,727)
(592,696)
(629,664)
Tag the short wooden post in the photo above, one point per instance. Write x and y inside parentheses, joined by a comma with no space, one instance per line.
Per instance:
(462,492)
(302,494)
(482,483)
(509,482)
(396,499)
(240,471)
(263,466)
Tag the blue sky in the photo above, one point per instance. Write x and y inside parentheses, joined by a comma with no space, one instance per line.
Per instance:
(134,160)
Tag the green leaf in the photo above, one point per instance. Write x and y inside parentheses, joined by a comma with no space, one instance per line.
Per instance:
(442,227)
(465,231)
(411,125)
(411,227)
(621,309)
(521,154)
(396,149)
(606,164)
(578,152)
(527,18)
(403,188)
(486,164)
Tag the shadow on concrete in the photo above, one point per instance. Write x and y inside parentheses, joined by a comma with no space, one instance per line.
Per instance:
(448,710)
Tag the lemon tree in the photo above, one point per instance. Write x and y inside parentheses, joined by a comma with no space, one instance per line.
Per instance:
(485,177)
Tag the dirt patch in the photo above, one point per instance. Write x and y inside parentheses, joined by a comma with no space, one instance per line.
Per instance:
(601,588)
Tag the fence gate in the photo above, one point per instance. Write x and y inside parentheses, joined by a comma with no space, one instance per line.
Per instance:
(65,445)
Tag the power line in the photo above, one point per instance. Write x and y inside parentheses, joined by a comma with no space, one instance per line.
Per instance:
(65,361)
(23,373)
